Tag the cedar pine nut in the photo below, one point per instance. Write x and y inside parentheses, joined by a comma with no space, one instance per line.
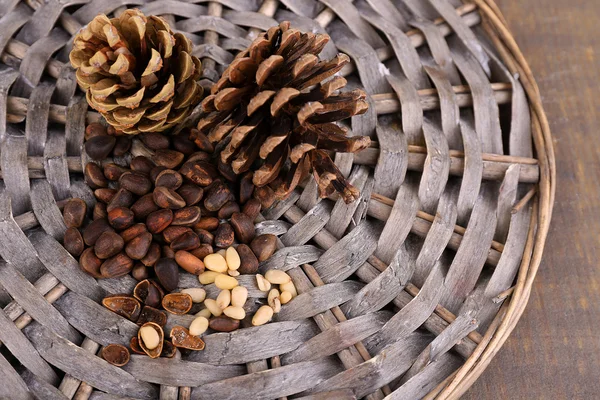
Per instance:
(235,312)
(289,287)
(263,284)
(239,295)
(213,307)
(277,277)
(197,294)
(233,258)
(205,312)
(198,326)
(262,316)
(273,294)
(285,297)
(225,282)
(150,337)
(215,262)
(208,277)
(224,299)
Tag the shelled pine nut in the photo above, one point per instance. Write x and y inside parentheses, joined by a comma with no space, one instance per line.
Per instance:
(198,326)
(277,277)
(213,307)
(262,316)
(239,295)
(263,284)
(197,294)
(224,299)
(235,312)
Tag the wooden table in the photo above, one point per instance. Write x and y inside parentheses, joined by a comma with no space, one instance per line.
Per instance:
(554,352)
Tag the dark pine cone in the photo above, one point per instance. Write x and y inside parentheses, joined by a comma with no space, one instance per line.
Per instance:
(271,113)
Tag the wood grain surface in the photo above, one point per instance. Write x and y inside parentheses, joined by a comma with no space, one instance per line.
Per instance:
(554,352)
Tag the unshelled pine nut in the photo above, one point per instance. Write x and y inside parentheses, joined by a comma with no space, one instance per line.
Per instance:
(263,284)
(213,307)
(150,337)
(285,297)
(208,277)
(215,262)
(233,258)
(262,316)
(233,272)
(289,287)
(205,312)
(198,294)
(225,282)
(277,277)
(276,305)
(224,299)
(198,326)
(235,312)
(239,295)
(273,294)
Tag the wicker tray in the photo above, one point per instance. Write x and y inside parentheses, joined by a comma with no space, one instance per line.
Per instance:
(420,282)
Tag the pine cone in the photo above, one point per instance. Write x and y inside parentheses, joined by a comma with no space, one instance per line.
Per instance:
(138,74)
(271,113)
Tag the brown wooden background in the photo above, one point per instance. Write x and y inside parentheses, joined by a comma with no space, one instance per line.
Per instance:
(554,353)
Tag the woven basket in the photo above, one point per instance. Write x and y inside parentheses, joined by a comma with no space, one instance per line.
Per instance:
(407,293)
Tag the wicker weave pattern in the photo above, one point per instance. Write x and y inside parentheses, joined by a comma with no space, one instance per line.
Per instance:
(453,206)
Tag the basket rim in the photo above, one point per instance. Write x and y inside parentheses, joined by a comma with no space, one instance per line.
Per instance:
(504,323)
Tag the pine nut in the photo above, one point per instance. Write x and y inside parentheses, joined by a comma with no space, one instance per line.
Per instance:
(208,277)
(205,312)
(198,326)
(215,262)
(262,316)
(225,282)
(263,284)
(150,337)
(239,295)
(233,272)
(285,297)
(276,305)
(233,258)
(198,294)
(273,294)
(213,307)
(224,299)
(222,253)
(235,312)
(289,287)
(277,277)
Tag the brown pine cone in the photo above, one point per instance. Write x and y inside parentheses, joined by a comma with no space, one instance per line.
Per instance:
(136,72)
(271,113)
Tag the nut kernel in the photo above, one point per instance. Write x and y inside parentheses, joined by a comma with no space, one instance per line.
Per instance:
(213,307)
(277,277)
(208,277)
(215,262)
(198,326)
(262,316)
(197,294)
(285,297)
(235,312)
(150,337)
(224,299)
(289,287)
(263,284)
(239,295)
(225,282)
(233,258)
